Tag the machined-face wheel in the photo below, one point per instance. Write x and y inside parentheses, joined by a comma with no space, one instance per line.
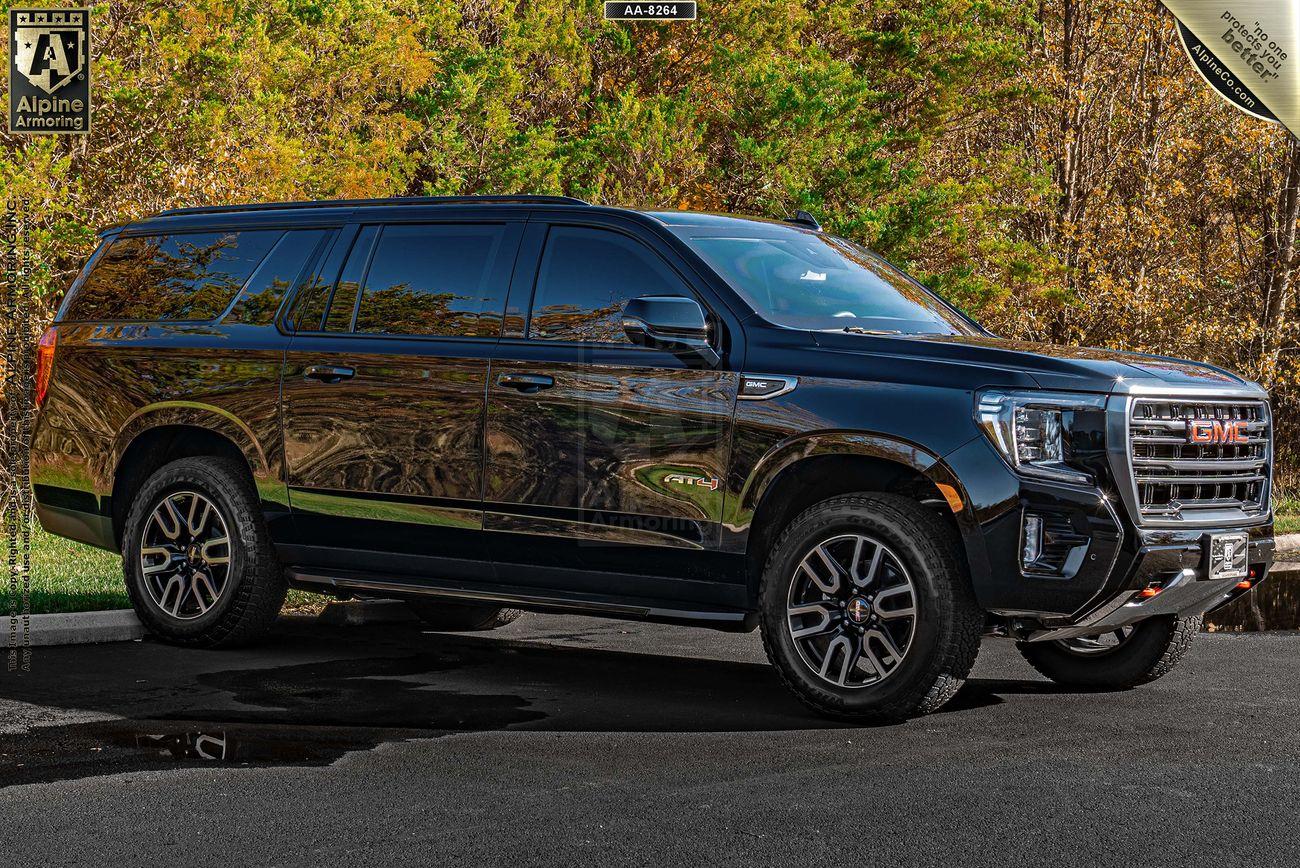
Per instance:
(852,610)
(185,552)
(1102,643)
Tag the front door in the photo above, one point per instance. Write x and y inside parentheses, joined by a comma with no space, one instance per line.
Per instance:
(602,455)
(383,396)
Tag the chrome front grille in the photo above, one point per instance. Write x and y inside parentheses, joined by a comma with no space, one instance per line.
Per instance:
(1177,480)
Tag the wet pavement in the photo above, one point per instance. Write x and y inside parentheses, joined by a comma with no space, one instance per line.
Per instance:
(574,741)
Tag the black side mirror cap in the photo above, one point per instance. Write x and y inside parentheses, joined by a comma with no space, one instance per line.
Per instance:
(671,323)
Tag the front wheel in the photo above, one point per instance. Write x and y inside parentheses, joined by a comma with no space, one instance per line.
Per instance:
(1124,658)
(866,609)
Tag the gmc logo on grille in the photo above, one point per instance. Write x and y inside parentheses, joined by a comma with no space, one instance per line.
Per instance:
(1217,431)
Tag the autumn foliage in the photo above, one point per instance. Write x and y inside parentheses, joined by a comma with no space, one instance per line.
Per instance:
(1055,167)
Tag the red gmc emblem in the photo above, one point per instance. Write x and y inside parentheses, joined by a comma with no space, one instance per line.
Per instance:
(1217,431)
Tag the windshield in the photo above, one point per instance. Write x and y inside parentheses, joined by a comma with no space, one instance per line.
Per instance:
(812,281)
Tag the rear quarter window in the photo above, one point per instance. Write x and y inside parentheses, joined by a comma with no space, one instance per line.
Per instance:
(183,276)
(279,271)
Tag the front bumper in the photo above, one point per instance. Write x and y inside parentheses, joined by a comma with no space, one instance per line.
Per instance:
(1098,591)
(1179,567)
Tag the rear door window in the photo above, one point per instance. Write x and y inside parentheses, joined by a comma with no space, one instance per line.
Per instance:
(343,304)
(307,309)
(190,276)
(431,279)
(585,278)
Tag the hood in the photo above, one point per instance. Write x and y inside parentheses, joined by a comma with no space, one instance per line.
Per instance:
(1050,366)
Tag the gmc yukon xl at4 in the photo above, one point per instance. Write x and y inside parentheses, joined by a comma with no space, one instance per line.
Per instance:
(491,404)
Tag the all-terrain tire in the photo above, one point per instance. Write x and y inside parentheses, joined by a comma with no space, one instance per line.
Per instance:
(1152,651)
(254,586)
(462,617)
(948,623)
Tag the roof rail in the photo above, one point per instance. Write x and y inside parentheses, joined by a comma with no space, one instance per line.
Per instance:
(392,200)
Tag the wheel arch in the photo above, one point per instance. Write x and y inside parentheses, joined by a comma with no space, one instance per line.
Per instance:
(164,432)
(807,470)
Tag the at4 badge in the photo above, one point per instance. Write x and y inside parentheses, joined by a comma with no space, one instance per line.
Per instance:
(49,70)
(709,482)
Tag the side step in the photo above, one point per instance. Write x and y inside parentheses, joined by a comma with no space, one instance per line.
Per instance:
(630,608)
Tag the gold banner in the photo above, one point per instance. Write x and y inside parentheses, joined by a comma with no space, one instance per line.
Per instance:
(1249,50)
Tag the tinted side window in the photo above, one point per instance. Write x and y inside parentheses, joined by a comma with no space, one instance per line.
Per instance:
(343,303)
(429,279)
(307,310)
(585,278)
(190,276)
(261,298)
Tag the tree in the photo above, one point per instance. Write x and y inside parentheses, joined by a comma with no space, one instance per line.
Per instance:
(1056,167)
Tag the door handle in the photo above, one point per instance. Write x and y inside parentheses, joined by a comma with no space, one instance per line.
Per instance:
(526,383)
(328,373)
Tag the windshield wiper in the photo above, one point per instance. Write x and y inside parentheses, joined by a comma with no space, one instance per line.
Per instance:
(859,330)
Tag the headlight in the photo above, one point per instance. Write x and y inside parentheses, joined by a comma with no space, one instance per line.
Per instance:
(1031,429)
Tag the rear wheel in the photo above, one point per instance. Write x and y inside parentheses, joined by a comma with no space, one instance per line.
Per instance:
(1120,659)
(200,568)
(462,617)
(866,609)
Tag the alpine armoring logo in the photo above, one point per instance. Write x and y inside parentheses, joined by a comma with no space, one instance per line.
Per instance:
(49,70)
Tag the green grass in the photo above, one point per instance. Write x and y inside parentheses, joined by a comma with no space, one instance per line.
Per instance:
(1288,522)
(1286,503)
(70,577)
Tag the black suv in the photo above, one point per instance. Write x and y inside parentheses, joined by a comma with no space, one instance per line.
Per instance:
(489,404)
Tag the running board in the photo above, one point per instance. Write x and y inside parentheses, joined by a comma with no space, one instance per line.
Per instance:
(728,620)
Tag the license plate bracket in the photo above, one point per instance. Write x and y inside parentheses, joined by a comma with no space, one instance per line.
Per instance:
(1227,556)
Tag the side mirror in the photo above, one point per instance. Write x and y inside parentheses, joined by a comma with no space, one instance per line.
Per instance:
(669,323)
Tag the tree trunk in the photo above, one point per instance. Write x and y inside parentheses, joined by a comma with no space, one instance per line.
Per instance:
(1280,250)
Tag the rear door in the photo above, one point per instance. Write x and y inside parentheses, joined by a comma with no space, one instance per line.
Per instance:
(602,455)
(383,394)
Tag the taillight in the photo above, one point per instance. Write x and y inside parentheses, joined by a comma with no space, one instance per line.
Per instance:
(45,363)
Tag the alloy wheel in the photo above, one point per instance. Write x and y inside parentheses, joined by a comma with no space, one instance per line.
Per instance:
(852,610)
(185,555)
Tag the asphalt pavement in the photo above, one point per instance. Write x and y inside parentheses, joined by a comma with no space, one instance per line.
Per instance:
(570,741)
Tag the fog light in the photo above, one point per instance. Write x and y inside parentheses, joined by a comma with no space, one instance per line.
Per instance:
(1032,548)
